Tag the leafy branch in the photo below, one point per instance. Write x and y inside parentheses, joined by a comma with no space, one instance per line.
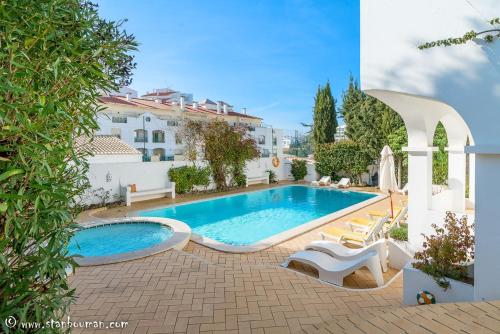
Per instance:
(488,35)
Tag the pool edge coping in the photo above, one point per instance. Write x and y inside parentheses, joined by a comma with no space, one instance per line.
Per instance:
(179,239)
(280,237)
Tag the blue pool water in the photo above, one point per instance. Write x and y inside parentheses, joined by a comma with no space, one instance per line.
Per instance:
(117,238)
(251,217)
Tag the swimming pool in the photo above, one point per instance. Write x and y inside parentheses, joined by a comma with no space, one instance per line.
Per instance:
(257,218)
(123,239)
(113,239)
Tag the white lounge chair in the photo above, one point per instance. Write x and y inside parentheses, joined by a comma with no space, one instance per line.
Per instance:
(332,270)
(341,252)
(324,181)
(361,235)
(344,182)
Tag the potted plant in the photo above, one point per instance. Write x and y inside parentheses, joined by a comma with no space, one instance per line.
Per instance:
(442,266)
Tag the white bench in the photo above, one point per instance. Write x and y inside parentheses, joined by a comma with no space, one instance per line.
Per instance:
(143,195)
(258,179)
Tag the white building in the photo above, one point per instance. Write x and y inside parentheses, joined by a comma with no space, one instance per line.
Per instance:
(458,86)
(168,95)
(154,126)
(340,133)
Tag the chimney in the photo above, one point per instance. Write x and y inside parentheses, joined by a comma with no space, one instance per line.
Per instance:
(195,105)
(225,109)
(127,96)
(182,102)
(218,107)
(244,111)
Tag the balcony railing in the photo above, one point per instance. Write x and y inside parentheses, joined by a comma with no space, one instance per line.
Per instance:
(141,139)
(158,140)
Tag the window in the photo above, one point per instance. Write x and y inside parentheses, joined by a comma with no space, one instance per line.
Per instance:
(172,123)
(261,140)
(119,119)
(178,138)
(158,136)
(275,141)
(117,132)
(148,119)
(141,136)
(264,153)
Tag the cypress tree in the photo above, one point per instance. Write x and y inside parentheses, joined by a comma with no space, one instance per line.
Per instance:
(325,116)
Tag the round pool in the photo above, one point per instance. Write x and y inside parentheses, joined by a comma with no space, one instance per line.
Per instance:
(126,239)
(118,238)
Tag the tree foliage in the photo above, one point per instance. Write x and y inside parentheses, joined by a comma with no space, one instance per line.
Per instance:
(345,156)
(440,158)
(488,35)
(226,149)
(325,116)
(369,122)
(56,58)
(299,169)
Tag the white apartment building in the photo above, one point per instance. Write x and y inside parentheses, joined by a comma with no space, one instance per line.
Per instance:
(168,95)
(154,126)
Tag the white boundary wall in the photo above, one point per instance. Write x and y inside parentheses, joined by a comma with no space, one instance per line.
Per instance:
(154,175)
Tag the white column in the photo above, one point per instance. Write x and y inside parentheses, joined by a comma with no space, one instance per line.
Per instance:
(419,193)
(456,178)
(487,223)
(472,179)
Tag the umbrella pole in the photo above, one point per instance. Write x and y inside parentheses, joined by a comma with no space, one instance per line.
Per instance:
(392,208)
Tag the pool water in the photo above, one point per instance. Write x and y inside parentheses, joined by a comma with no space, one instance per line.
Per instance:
(248,218)
(117,238)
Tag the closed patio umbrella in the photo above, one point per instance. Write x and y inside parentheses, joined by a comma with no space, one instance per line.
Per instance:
(387,174)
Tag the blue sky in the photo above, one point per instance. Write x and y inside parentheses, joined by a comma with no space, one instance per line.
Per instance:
(267,56)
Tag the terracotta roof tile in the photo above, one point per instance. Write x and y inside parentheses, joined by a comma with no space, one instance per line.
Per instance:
(104,145)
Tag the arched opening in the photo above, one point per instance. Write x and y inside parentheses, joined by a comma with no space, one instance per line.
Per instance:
(158,154)
(440,158)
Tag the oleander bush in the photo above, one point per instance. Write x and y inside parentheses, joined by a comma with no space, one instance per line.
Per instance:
(226,149)
(299,169)
(56,58)
(187,177)
(446,253)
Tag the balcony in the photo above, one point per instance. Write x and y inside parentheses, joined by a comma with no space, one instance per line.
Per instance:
(141,139)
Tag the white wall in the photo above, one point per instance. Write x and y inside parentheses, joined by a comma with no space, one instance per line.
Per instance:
(114,158)
(458,85)
(153,175)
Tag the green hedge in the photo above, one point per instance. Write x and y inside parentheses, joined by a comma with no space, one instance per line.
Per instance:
(399,233)
(299,169)
(343,156)
(187,177)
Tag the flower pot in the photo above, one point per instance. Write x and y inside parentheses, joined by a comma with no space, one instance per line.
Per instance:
(415,280)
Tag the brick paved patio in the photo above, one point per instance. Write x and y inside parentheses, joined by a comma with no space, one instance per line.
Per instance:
(203,290)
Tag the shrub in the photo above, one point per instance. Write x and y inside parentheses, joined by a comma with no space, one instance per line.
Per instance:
(187,177)
(446,253)
(226,149)
(299,169)
(399,233)
(272,176)
(343,156)
(57,57)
